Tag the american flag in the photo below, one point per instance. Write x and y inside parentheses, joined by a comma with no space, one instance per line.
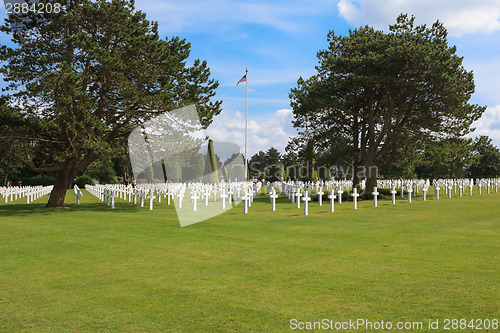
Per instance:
(243,79)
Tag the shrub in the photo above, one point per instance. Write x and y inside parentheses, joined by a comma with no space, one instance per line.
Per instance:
(83,180)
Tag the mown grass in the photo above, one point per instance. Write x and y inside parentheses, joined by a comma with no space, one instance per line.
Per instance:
(90,268)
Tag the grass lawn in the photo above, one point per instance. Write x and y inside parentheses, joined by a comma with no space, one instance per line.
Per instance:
(90,268)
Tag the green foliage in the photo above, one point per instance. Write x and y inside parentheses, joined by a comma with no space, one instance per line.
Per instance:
(260,162)
(173,169)
(447,158)
(374,90)
(100,69)
(195,167)
(102,170)
(486,163)
(314,177)
(12,148)
(323,172)
(44,180)
(274,171)
(83,180)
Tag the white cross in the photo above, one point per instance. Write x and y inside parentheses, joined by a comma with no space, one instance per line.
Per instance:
(437,192)
(168,194)
(207,195)
(194,197)
(151,197)
(409,194)
(180,197)
(332,198)
(355,196)
(273,197)
(78,194)
(339,192)
(298,194)
(112,198)
(375,195)
(246,198)
(223,196)
(320,196)
(424,191)
(142,195)
(230,193)
(393,192)
(306,200)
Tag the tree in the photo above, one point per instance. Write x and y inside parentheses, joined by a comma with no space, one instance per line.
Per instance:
(487,161)
(12,150)
(446,158)
(89,75)
(267,164)
(375,89)
(257,163)
(273,156)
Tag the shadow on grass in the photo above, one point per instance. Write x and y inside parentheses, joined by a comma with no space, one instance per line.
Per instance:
(20,209)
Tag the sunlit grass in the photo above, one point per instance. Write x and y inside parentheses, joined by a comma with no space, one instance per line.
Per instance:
(87,268)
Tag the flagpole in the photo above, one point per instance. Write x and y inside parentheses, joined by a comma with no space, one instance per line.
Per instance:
(246,124)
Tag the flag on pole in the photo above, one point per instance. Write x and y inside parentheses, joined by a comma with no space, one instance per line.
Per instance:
(243,79)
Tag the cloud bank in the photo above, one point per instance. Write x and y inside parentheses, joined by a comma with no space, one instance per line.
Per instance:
(461,17)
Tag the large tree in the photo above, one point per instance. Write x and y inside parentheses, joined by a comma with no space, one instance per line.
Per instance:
(374,90)
(88,75)
(487,159)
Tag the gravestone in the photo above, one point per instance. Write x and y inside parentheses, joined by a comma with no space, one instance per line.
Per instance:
(355,196)
(194,199)
(246,199)
(339,193)
(273,197)
(320,196)
(332,197)
(78,194)
(393,192)
(298,195)
(306,200)
(375,194)
(151,197)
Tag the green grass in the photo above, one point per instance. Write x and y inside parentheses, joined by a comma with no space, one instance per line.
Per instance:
(90,268)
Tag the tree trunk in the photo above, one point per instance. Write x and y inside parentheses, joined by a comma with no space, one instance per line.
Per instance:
(355,176)
(371,182)
(63,181)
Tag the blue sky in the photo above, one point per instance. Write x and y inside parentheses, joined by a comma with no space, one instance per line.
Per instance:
(278,42)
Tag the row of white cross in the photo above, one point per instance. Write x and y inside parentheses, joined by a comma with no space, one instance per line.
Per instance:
(296,192)
(171,191)
(31,193)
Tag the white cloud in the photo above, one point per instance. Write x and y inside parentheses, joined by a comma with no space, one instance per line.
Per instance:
(264,132)
(199,15)
(460,17)
(489,124)
(486,78)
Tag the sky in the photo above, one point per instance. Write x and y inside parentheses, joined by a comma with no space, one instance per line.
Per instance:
(278,40)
